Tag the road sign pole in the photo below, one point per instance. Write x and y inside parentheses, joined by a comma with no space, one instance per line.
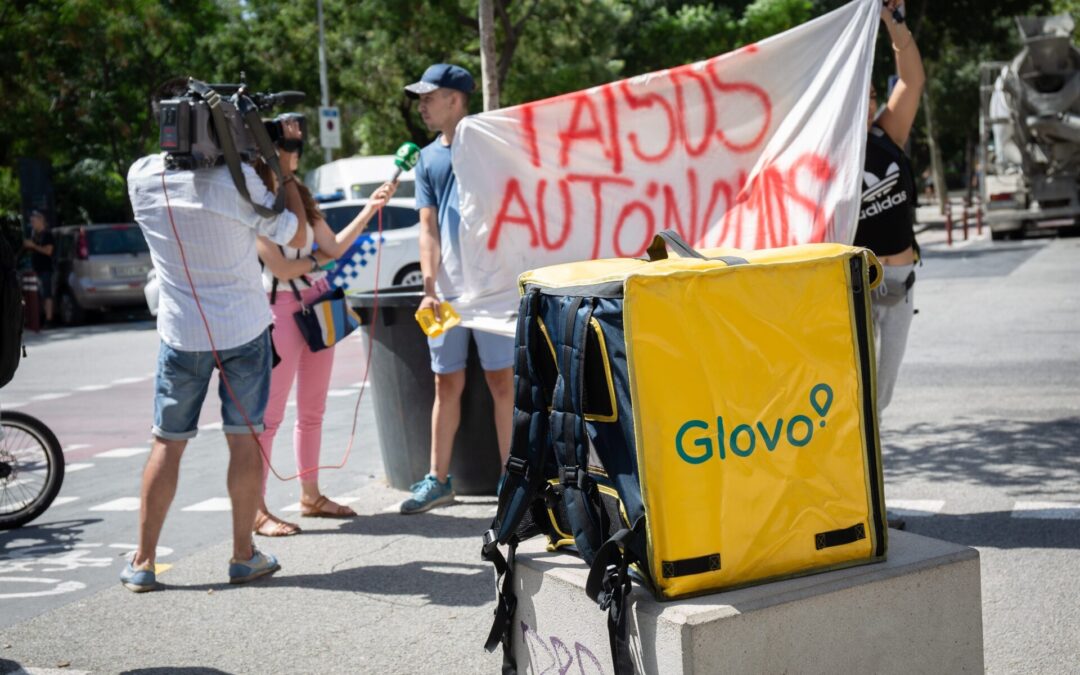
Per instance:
(328,154)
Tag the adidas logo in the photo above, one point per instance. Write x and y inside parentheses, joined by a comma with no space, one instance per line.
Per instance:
(875,187)
(884,205)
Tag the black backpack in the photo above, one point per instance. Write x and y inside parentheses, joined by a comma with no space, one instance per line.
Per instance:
(11,314)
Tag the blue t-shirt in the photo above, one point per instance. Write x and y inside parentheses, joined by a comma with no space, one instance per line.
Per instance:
(436,186)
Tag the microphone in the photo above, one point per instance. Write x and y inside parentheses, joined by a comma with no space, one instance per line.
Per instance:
(405,159)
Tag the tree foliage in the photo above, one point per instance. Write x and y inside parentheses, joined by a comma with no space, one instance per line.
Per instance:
(79,72)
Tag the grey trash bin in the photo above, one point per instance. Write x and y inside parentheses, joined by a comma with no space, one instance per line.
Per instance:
(403,388)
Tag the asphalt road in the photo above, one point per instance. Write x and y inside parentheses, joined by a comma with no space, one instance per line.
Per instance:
(980,448)
(93,386)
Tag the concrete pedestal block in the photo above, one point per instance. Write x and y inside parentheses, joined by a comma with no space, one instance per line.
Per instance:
(918,612)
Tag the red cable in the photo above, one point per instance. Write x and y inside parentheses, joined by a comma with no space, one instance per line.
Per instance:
(221,370)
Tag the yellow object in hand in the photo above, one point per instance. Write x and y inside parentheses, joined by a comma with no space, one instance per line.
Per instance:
(433,327)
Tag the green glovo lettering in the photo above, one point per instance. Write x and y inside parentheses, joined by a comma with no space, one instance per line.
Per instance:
(798,431)
(702,442)
(748,432)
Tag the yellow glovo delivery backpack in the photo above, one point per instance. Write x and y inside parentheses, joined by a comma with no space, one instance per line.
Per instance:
(699,422)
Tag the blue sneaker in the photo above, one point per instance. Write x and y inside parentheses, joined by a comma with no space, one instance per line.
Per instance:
(260,565)
(427,494)
(139,579)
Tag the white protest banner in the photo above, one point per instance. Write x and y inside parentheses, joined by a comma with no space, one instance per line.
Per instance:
(758,148)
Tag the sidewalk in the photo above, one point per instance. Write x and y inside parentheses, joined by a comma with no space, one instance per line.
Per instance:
(382,593)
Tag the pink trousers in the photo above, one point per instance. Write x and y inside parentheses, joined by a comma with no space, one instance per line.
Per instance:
(311,371)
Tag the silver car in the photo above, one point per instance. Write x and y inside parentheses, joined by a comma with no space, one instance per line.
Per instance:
(99,267)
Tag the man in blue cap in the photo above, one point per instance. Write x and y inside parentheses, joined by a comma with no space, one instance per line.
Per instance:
(443,94)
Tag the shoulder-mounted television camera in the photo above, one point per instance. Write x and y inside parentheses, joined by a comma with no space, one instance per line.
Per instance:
(214,124)
(192,138)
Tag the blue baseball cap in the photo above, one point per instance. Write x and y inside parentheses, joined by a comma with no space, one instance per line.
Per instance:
(442,75)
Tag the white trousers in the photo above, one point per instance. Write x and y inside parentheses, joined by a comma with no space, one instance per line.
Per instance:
(893,307)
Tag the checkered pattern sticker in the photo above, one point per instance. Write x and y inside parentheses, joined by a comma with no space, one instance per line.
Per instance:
(356,269)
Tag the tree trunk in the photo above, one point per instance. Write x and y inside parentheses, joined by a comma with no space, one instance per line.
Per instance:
(940,190)
(489,70)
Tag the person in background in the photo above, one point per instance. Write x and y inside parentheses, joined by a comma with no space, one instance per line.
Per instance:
(887,215)
(289,272)
(41,246)
(443,94)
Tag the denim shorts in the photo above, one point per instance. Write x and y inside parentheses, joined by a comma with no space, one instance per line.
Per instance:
(450,351)
(183,378)
(45,284)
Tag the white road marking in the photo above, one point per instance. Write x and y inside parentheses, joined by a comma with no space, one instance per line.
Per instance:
(78,466)
(210,426)
(122,504)
(128,380)
(49,397)
(162,551)
(92,387)
(214,504)
(341,392)
(12,405)
(58,587)
(60,501)
(914,508)
(1047,510)
(360,384)
(76,446)
(122,452)
(49,671)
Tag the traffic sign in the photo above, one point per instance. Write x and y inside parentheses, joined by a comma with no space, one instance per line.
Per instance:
(329,127)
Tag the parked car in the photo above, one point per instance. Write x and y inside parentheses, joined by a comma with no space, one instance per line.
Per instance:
(99,267)
(400,245)
(358,177)
(355,271)
(152,291)
(342,188)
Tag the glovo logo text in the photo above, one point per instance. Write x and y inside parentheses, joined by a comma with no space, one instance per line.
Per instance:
(697,441)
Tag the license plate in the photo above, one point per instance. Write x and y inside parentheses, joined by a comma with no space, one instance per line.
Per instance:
(129,270)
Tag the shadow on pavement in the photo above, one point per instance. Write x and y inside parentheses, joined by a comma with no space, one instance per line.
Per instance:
(982,260)
(431,525)
(44,538)
(998,529)
(414,583)
(1026,457)
(452,584)
(175,670)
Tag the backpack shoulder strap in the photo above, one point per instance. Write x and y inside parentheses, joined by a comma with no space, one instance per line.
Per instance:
(569,436)
(524,485)
(609,586)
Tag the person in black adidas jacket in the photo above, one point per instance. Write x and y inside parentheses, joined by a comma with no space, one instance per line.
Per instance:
(887,209)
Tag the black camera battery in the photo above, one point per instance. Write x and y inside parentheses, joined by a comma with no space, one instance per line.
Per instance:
(175,135)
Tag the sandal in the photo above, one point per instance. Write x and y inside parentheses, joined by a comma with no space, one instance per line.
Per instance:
(277,527)
(319,510)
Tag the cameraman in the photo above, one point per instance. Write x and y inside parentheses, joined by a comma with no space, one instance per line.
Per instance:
(213,310)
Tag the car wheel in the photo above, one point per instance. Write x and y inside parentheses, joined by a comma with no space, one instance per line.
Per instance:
(71,312)
(410,275)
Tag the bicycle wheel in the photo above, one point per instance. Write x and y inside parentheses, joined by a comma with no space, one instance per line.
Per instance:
(31,469)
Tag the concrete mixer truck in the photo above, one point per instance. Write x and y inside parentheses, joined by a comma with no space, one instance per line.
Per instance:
(1029,130)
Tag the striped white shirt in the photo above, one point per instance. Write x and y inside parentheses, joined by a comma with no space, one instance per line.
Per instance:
(217,230)
(305,281)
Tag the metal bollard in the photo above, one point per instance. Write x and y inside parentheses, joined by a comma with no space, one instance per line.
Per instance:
(965,221)
(31,302)
(978,219)
(948,223)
